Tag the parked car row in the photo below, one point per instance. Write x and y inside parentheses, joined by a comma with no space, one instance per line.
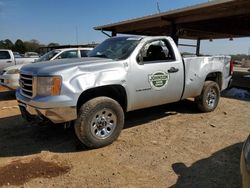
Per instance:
(9,76)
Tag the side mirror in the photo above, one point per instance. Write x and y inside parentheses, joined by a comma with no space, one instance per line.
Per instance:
(139,59)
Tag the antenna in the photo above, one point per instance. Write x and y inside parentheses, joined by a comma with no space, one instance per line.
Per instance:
(158,7)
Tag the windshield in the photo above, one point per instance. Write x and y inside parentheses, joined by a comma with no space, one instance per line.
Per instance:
(48,56)
(115,48)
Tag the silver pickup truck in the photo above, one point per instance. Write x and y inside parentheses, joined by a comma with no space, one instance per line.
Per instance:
(120,75)
(8,58)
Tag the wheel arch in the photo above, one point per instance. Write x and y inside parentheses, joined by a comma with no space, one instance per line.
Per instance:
(216,77)
(116,92)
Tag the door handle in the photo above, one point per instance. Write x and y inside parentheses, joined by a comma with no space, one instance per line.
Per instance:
(173,70)
(8,61)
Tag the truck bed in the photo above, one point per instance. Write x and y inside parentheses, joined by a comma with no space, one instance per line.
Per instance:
(197,67)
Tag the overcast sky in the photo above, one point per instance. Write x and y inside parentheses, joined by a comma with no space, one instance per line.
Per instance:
(57,21)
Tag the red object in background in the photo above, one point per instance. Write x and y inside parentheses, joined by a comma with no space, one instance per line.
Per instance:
(231,67)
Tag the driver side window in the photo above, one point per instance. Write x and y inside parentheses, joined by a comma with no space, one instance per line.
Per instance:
(4,55)
(158,50)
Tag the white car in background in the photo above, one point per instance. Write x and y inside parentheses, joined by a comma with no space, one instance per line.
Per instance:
(31,54)
(65,53)
(9,77)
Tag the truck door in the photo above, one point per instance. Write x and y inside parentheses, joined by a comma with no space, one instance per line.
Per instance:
(156,76)
(5,59)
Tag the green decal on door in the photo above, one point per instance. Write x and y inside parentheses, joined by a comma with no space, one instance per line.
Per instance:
(158,80)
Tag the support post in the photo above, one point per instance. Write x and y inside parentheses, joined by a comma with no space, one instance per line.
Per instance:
(174,34)
(198,45)
(114,33)
(105,33)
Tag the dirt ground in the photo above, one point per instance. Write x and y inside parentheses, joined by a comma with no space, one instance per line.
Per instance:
(168,146)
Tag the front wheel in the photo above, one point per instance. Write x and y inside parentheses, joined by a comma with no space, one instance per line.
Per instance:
(209,98)
(99,122)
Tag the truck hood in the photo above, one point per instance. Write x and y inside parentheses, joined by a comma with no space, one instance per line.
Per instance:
(56,66)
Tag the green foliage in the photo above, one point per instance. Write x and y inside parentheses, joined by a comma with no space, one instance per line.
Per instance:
(32,45)
(239,57)
(6,44)
(19,46)
(24,46)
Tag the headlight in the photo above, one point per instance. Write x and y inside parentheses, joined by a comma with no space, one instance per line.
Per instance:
(13,71)
(49,86)
(246,152)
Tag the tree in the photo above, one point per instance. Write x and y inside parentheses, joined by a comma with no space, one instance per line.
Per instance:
(32,45)
(239,57)
(19,46)
(6,44)
(2,46)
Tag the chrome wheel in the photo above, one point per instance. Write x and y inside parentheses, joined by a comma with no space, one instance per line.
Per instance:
(103,123)
(211,97)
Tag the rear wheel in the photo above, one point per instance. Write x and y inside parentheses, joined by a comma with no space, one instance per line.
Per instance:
(100,122)
(209,98)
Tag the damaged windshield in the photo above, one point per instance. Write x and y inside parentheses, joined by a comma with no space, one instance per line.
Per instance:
(115,48)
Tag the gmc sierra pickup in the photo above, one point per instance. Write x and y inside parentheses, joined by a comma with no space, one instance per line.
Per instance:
(120,75)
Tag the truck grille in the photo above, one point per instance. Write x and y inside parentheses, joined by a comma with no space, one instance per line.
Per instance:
(25,83)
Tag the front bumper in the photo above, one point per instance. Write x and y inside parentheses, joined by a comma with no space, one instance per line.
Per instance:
(31,110)
(56,115)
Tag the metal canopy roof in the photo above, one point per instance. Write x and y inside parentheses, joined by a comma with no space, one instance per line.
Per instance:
(213,20)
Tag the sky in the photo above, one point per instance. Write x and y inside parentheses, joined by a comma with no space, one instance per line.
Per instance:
(61,21)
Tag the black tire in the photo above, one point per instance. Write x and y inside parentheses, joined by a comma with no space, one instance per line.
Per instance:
(209,97)
(99,123)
